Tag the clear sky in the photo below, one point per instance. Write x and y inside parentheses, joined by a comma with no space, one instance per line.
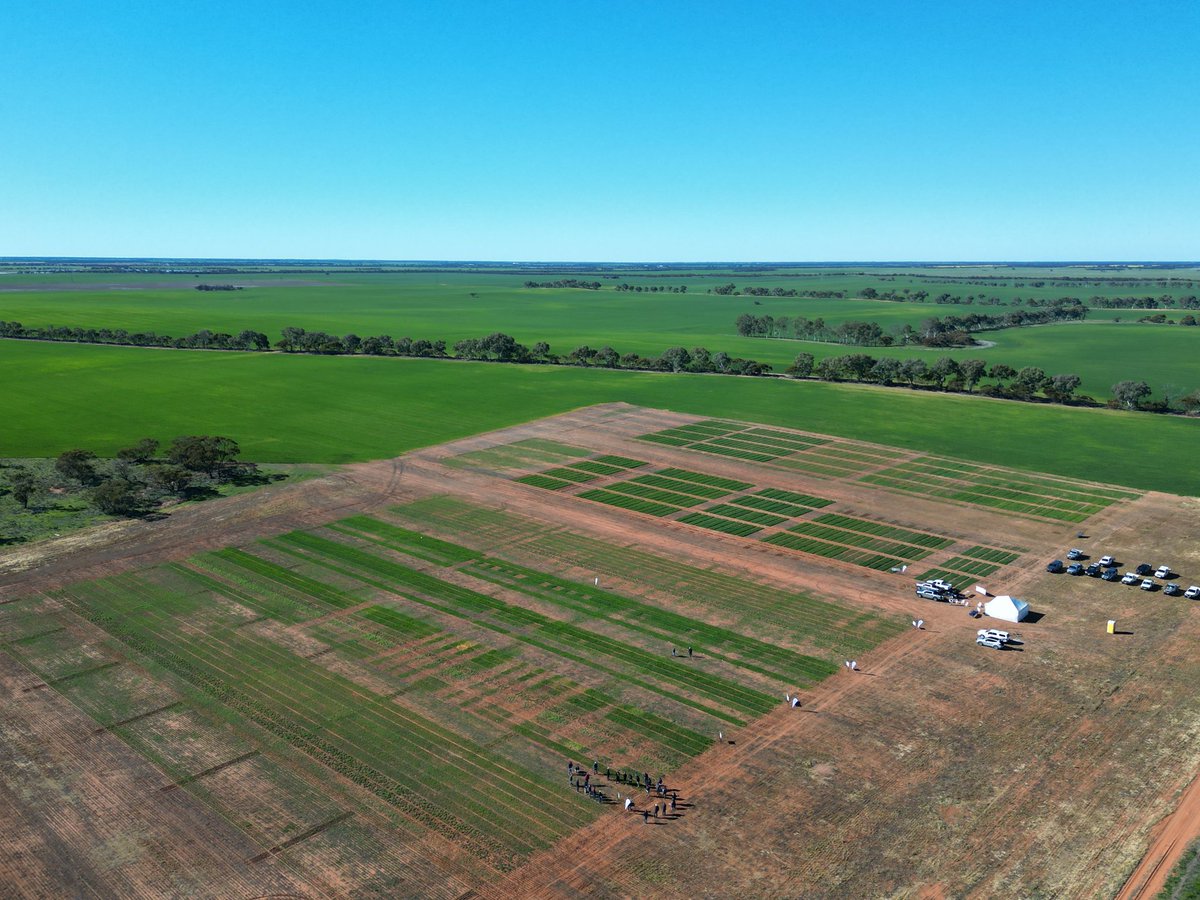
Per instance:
(564,130)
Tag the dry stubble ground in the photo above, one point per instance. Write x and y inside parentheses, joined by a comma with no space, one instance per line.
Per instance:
(940,769)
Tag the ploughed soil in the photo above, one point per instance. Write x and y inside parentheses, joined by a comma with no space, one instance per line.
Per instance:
(1062,766)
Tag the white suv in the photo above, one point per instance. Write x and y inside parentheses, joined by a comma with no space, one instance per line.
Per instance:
(1162,572)
(990,643)
(994,634)
(1193,592)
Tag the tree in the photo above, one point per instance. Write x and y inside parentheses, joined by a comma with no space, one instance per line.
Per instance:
(943,369)
(581,356)
(1190,402)
(203,453)
(831,368)
(912,370)
(858,365)
(175,479)
(801,367)
(140,452)
(1130,393)
(291,338)
(675,358)
(701,360)
(886,370)
(1003,373)
(116,497)
(607,357)
(78,465)
(1029,381)
(254,340)
(23,484)
(1063,387)
(972,370)
(541,349)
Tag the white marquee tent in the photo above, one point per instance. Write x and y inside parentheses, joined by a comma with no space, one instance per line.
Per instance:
(1010,609)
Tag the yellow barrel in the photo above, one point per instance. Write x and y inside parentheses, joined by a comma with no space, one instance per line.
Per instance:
(1112,626)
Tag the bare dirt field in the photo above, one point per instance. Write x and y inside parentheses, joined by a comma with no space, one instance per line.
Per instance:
(182,719)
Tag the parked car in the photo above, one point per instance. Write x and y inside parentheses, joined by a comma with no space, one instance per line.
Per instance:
(1106,560)
(1148,585)
(1144,569)
(1074,553)
(1111,574)
(1075,569)
(1172,590)
(941,585)
(929,594)
(990,643)
(1093,570)
(1193,592)
(1056,566)
(1129,578)
(1162,572)
(995,634)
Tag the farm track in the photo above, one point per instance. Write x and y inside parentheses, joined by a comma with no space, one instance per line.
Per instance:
(892,781)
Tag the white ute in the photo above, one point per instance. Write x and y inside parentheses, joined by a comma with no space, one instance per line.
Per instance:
(994,634)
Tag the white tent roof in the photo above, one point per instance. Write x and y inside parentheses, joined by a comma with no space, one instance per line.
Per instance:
(1007,608)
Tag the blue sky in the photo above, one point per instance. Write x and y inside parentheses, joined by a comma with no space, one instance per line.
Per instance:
(602,131)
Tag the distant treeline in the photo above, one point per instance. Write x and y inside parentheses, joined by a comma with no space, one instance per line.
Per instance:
(1030,384)
(201,340)
(218,287)
(947,331)
(565,283)
(652,288)
(499,347)
(496,347)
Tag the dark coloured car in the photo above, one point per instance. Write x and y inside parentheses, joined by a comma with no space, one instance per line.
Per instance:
(1172,590)
(1111,575)
(1093,570)
(1074,569)
(1144,569)
(1055,566)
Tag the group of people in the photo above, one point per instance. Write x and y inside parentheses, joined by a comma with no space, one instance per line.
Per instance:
(581,779)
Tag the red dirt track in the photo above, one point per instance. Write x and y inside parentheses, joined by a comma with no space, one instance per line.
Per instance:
(1062,768)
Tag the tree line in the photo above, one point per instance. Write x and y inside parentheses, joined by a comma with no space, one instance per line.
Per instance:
(201,340)
(500,347)
(947,331)
(1029,383)
(651,288)
(565,283)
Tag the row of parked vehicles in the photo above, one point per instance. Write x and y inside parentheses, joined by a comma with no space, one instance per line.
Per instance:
(1107,570)
(938,589)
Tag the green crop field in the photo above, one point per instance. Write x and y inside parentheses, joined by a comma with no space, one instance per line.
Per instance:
(456,305)
(329,409)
